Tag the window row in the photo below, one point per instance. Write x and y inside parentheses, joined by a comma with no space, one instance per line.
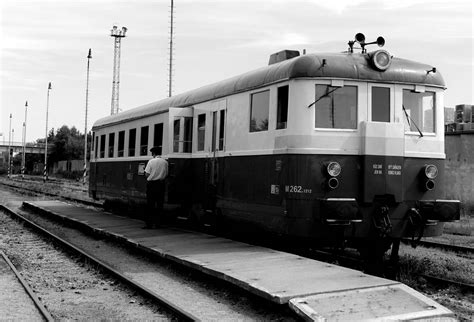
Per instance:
(103,151)
(182,137)
(336,107)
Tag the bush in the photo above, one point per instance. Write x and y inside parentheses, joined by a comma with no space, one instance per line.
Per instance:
(74,175)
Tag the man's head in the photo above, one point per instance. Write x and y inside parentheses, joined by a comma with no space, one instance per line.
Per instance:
(155,150)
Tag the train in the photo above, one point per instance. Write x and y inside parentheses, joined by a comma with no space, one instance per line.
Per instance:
(341,148)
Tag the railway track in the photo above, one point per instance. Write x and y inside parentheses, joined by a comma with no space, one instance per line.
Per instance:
(444,282)
(179,312)
(16,303)
(17,185)
(444,246)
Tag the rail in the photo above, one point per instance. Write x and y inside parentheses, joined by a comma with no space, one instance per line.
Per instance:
(449,247)
(28,290)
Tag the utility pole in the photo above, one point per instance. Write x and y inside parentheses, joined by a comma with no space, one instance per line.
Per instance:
(11,159)
(45,171)
(84,176)
(118,35)
(9,147)
(170,76)
(23,165)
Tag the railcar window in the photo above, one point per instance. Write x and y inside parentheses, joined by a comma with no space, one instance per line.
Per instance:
(214,131)
(259,108)
(144,140)
(93,140)
(336,107)
(176,128)
(131,142)
(102,146)
(282,107)
(111,145)
(96,150)
(158,137)
(201,132)
(380,104)
(188,134)
(121,143)
(222,130)
(420,108)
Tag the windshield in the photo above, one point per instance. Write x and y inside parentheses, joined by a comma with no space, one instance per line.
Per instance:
(420,109)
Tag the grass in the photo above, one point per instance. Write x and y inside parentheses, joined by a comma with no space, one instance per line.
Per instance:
(420,260)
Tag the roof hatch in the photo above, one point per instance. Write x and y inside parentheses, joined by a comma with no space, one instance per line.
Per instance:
(283,55)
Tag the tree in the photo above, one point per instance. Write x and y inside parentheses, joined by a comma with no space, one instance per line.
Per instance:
(68,144)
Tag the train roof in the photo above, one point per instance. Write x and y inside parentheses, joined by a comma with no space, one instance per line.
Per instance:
(350,66)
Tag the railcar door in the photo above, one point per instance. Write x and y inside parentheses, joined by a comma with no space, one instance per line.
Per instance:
(180,178)
(215,161)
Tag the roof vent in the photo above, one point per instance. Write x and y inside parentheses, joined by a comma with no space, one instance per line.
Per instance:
(282,55)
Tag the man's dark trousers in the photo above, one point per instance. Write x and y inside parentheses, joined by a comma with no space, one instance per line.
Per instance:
(155,196)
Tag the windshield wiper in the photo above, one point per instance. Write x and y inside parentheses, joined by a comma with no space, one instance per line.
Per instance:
(325,95)
(408,120)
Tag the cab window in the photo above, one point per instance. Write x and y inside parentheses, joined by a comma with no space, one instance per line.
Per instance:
(380,104)
(419,109)
(336,107)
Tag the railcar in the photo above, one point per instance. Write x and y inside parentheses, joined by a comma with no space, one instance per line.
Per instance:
(327,146)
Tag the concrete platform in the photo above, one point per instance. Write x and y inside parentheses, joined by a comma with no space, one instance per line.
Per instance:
(313,289)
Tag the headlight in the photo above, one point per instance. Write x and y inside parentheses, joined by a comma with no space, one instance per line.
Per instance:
(334,169)
(431,171)
(381,59)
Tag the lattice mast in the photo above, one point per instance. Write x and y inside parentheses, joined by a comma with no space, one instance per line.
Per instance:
(118,34)
(170,75)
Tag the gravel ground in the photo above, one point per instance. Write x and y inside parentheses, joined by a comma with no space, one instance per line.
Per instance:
(16,304)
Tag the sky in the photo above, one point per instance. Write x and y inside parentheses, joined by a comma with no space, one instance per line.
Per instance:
(44,41)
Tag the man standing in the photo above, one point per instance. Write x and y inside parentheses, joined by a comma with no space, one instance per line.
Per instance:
(156,172)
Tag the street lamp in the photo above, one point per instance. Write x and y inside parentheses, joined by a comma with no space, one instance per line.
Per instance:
(84,176)
(45,171)
(9,147)
(23,165)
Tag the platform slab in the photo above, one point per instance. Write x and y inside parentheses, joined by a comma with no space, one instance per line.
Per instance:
(308,285)
(387,303)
